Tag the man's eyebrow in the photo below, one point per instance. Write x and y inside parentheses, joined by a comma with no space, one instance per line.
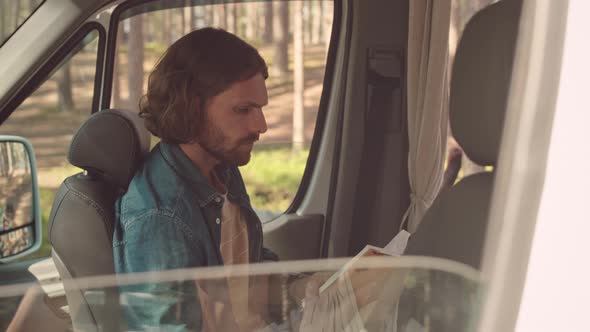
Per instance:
(252,104)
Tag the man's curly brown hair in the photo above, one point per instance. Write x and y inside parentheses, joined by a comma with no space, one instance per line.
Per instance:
(198,66)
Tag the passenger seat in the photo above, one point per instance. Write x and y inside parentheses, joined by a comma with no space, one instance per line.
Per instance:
(455,225)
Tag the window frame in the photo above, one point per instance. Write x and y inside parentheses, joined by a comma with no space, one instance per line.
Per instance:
(329,72)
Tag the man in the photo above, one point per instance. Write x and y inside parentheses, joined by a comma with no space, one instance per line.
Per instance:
(187,205)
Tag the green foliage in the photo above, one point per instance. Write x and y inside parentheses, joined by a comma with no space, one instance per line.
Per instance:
(272,177)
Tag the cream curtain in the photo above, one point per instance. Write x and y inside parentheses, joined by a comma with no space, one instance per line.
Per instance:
(427,103)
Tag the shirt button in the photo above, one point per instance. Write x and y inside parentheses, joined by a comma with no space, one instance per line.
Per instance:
(217,221)
(218,199)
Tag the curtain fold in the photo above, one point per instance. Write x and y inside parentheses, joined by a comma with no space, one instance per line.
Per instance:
(427,103)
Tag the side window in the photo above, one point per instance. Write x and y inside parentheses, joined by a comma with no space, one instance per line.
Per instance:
(276,168)
(49,117)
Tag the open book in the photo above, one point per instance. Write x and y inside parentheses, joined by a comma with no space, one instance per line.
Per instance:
(395,247)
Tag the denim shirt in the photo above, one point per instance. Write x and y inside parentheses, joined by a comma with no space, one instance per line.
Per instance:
(169,218)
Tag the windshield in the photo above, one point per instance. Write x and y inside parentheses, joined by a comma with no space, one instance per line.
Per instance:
(13,13)
(373,294)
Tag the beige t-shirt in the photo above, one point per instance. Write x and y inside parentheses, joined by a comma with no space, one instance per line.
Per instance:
(234,250)
(234,234)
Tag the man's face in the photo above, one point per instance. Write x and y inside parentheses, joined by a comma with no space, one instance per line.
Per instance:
(234,121)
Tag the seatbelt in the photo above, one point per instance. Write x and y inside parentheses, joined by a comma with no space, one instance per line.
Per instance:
(383,114)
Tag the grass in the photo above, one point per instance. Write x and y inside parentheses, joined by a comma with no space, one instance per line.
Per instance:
(272,177)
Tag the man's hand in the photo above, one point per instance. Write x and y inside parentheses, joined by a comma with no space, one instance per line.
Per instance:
(333,310)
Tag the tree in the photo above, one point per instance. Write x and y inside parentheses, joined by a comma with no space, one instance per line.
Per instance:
(328,12)
(188,18)
(192,17)
(116,70)
(316,28)
(280,63)
(206,14)
(219,18)
(64,88)
(183,19)
(166,27)
(268,28)
(251,14)
(298,78)
(16,14)
(232,17)
(307,21)
(135,61)
(3,20)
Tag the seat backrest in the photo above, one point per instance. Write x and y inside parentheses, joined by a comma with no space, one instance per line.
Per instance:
(455,225)
(109,147)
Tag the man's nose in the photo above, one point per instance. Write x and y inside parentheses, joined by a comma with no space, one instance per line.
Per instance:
(259,122)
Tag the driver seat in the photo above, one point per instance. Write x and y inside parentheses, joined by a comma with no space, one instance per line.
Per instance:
(109,147)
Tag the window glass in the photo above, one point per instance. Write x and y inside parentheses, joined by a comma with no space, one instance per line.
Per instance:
(49,117)
(278,161)
(13,13)
(374,294)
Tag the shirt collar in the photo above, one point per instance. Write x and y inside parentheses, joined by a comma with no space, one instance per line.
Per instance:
(206,194)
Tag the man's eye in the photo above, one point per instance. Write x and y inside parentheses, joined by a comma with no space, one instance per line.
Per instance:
(243,109)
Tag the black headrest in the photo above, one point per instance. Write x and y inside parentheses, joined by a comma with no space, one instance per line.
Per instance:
(110,144)
(481,80)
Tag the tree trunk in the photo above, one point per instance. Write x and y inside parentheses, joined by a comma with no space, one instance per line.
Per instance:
(307,21)
(267,34)
(206,14)
(183,20)
(64,88)
(3,18)
(192,16)
(251,14)
(232,17)
(16,14)
(116,71)
(316,29)
(328,12)
(280,63)
(4,160)
(454,27)
(135,61)
(298,78)
(219,17)
(168,27)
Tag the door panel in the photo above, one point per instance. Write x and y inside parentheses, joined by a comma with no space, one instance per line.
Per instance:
(294,237)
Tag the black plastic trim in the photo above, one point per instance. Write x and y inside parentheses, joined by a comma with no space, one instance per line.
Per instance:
(55,60)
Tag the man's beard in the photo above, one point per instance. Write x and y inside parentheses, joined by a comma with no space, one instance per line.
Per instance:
(216,144)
